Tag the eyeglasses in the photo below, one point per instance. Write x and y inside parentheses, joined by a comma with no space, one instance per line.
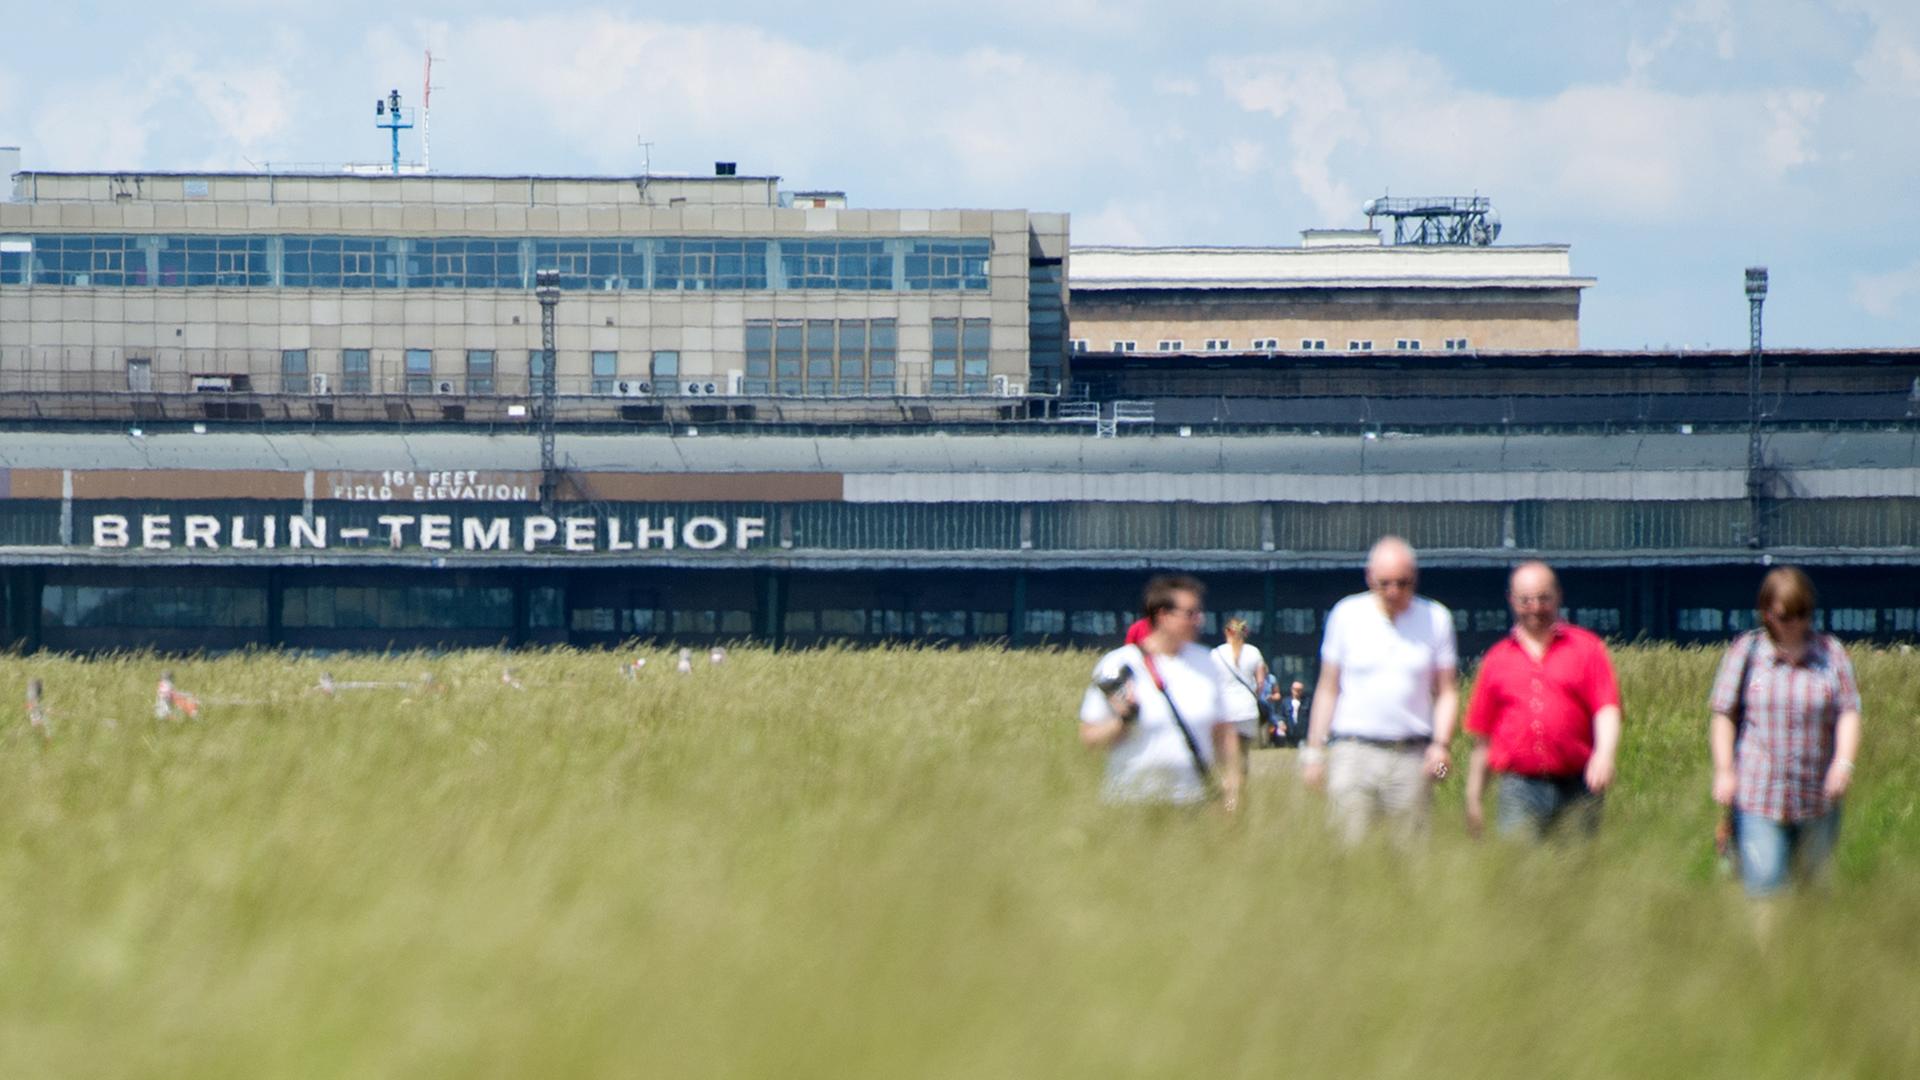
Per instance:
(1540,600)
(1393,583)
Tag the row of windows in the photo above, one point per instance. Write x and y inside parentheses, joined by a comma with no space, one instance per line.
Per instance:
(886,264)
(815,357)
(297,375)
(823,357)
(1265,345)
(153,606)
(1836,620)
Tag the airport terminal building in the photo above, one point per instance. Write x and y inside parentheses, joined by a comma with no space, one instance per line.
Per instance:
(299,411)
(323,541)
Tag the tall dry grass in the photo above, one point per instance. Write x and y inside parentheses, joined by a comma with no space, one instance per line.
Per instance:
(869,863)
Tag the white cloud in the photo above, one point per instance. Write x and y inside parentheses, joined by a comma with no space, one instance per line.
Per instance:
(1618,151)
(979,124)
(1888,295)
(1713,18)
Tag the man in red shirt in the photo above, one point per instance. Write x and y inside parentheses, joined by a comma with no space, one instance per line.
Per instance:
(1545,715)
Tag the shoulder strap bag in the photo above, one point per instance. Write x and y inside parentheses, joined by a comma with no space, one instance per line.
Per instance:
(1193,747)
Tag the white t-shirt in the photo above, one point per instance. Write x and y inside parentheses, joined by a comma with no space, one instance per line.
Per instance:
(1242,706)
(1152,762)
(1387,667)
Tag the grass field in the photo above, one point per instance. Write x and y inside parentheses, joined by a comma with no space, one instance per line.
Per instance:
(887,863)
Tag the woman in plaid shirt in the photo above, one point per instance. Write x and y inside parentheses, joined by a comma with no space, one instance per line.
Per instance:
(1785,730)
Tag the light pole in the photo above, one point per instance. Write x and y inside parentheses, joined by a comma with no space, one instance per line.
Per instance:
(1756,480)
(546,289)
(394,124)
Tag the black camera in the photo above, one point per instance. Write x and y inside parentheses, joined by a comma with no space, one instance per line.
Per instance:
(1115,683)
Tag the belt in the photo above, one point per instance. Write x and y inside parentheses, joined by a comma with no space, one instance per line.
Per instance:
(1411,742)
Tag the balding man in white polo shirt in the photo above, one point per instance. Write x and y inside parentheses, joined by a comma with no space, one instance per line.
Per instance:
(1384,711)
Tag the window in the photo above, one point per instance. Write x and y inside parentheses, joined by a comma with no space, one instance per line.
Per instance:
(1599,620)
(1699,620)
(1853,620)
(479,371)
(91,260)
(1050,621)
(759,341)
(153,606)
(1267,344)
(339,262)
(1172,345)
(947,264)
(1124,346)
(1359,346)
(293,372)
(606,368)
(356,374)
(1311,344)
(1296,620)
(836,264)
(788,355)
(1456,344)
(1078,344)
(1218,345)
(819,364)
(1407,344)
(976,336)
(14,257)
(946,357)
(853,357)
(599,264)
(697,265)
(664,370)
(419,371)
(882,338)
(464,263)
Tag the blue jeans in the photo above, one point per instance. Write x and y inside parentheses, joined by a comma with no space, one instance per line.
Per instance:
(1769,848)
(1531,806)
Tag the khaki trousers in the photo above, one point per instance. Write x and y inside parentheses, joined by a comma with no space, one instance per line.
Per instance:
(1371,785)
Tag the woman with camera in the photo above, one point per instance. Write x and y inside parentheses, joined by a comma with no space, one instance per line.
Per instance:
(1158,708)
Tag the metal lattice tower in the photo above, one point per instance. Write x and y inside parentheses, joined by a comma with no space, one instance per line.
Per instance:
(1756,473)
(1444,220)
(546,289)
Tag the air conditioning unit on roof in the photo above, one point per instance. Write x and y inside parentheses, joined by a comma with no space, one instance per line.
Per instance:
(444,386)
(632,388)
(322,384)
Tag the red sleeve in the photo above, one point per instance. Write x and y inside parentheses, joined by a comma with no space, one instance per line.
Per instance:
(1481,707)
(1602,688)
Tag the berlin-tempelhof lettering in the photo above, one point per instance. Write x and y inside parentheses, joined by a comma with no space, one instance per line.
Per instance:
(431,532)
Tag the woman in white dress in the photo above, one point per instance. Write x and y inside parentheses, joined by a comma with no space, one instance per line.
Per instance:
(1242,672)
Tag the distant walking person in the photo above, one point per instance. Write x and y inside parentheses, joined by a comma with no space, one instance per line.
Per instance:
(1785,732)
(1242,671)
(1545,716)
(1386,701)
(1158,708)
(1292,714)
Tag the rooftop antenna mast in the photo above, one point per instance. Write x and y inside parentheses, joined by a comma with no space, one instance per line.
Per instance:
(389,107)
(426,116)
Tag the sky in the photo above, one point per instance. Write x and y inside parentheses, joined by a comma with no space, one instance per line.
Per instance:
(1671,142)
